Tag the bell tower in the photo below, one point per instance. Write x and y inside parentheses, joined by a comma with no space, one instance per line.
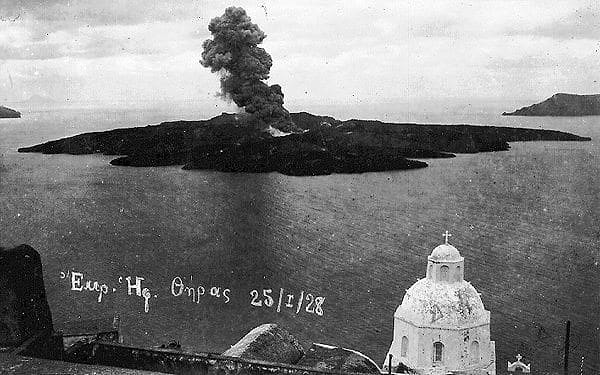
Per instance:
(445,264)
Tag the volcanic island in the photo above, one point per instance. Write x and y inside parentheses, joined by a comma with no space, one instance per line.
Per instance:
(228,143)
(265,137)
(9,113)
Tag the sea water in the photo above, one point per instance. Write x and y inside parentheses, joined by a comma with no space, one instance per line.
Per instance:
(202,257)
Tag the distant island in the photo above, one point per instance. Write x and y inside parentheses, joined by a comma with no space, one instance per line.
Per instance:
(562,105)
(231,143)
(9,113)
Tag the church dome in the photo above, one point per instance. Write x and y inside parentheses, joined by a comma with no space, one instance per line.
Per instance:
(441,324)
(430,303)
(445,253)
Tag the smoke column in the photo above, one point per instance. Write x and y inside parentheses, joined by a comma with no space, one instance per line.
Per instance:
(234,53)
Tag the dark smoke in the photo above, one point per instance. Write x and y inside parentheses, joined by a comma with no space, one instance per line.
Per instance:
(234,53)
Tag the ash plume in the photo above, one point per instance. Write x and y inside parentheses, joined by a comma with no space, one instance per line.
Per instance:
(233,52)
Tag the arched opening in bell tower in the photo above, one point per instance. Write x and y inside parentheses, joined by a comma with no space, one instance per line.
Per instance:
(444,273)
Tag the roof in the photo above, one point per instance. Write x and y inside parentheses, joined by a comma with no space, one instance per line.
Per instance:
(432,304)
(445,253)
(332,358)
(268,342)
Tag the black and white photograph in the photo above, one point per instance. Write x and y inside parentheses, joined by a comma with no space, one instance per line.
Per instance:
(300,187)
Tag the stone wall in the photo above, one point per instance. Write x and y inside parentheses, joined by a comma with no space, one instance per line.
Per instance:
(183,363)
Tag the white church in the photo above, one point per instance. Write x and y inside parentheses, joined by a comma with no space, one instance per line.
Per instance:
(441,327)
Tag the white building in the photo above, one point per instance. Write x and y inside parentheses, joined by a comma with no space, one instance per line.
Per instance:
(441,326)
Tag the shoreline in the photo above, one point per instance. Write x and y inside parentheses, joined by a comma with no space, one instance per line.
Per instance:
(230,143)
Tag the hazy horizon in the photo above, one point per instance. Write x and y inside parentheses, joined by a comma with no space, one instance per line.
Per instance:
(295,105)
(338,53)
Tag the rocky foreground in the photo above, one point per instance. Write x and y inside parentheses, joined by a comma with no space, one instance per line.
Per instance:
(27,331)
(562,105)
(228,143)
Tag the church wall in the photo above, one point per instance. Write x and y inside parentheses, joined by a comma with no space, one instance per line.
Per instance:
(413,350)
(402,328)
(457,347)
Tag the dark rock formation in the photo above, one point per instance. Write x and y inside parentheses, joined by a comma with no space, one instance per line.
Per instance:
(334,359)
(24,310)
(317,152)
(268,342)
(9,113)
(562,105)
(226,143)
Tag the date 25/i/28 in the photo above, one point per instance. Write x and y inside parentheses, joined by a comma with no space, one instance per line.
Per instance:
(314,304)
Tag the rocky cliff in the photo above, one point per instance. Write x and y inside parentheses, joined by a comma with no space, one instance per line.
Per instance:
(562,105)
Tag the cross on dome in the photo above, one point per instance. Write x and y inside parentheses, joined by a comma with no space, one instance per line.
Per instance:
(446,235)
(519,357)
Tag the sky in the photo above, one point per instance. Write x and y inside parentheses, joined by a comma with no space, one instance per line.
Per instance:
(349,51)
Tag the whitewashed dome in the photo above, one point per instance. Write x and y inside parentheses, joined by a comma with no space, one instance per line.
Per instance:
(443,298)
(445,253)
(430,303)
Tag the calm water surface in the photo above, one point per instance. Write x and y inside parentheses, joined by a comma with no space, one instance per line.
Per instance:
(525,220)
